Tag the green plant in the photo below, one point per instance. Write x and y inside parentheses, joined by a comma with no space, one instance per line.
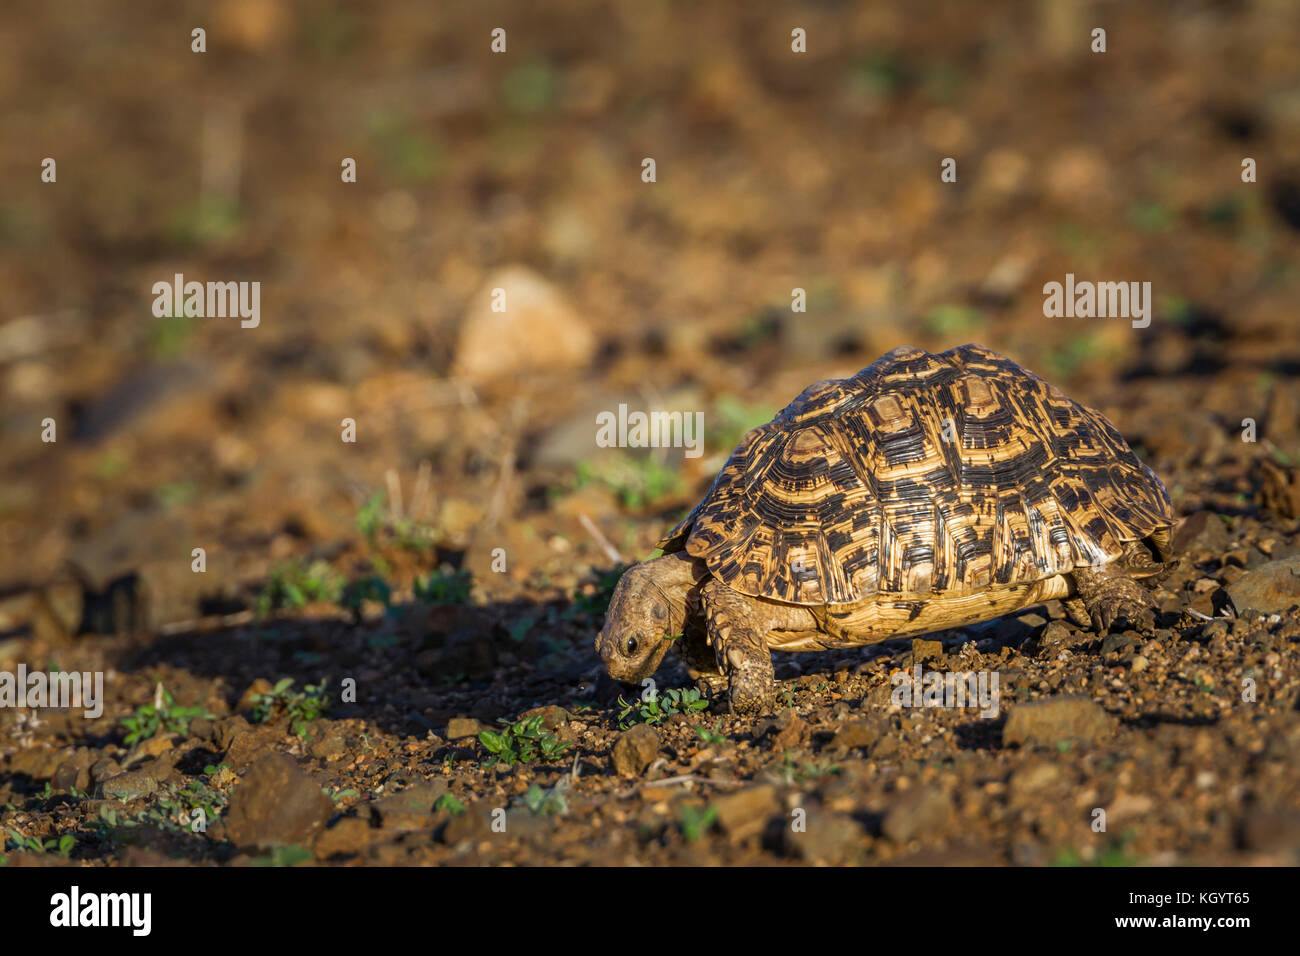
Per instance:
(636,481)
(656,709)
(735,419)
(295,585)
(947,321)
(370,588)
(444,586)
(285,856)
(160,716)
(301,707)
(381,528)
(542,802)
(711,736)
(62,846)
(176,805)
(449,803)
(694,821)
(522,742)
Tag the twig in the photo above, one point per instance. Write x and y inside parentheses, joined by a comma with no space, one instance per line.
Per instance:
(611,552)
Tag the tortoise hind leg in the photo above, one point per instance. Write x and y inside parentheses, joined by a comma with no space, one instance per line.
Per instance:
(1110,595)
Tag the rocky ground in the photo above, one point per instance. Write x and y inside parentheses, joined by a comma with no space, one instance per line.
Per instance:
(382,652)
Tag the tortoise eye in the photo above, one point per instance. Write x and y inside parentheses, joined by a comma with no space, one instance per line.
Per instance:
(631,646)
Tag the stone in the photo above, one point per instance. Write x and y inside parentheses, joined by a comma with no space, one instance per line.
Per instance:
(635,749)
(913,814)
(1045,722)
(856,734)
(227,729)
(537,330)
(412,808)
(744,813)
(552,716)
(276,804)
(923,650)
(249,745)
(348,837)
(1270,588)
(129,786)
(827,838)
(1201,531)
(458,728)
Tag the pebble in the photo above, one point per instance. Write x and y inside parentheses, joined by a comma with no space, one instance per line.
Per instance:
(276,804)
(1045,722)
(635,749)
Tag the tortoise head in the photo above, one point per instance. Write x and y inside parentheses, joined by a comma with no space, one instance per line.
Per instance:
(637,625)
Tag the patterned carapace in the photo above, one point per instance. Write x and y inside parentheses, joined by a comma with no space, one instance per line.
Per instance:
(922,475)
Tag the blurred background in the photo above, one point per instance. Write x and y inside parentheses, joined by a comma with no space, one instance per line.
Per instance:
(476,430)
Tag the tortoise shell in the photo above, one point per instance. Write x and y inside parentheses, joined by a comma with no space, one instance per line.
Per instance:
(929,475)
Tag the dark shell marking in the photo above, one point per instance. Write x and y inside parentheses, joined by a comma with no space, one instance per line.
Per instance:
(852,492)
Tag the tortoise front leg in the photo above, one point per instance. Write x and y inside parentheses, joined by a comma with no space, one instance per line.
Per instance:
(738,636)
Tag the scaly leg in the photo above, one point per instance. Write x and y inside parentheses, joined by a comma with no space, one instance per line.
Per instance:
(738,637)
(1110,595)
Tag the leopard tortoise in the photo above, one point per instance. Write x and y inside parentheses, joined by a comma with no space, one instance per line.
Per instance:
(925,492)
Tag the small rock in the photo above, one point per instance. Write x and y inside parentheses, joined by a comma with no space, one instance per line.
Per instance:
(276,804)
(330,745)
(1118,643)
(1033,777)
(744,813)
(203,728)
(1280,489)
(1053,637)
(1044,722)
(635,749)
(473,824)
(827,838)
(255,690)
(1270,588)
(153,747)
(249,746)
(1271,831)
(458,728)
(39,762)
(350,836)
(1201,531)
(923,650)
(412,808)
(552,716)
(914,814)
(792,734)
(536,330)
(856,733)
(71,775)
(104,769)
(129,786)
(227,729)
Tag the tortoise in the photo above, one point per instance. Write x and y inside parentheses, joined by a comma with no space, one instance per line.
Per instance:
(926,492)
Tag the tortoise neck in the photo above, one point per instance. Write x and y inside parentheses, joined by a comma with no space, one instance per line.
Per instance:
(676,576)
